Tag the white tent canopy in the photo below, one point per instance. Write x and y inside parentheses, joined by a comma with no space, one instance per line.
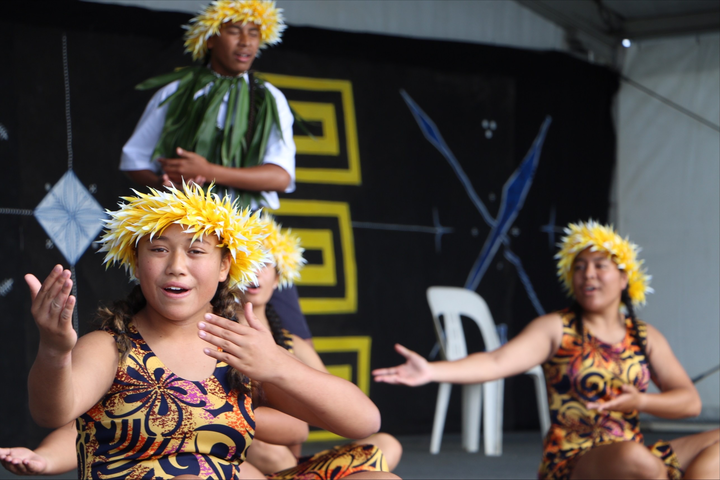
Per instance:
(668,192)
(497,22)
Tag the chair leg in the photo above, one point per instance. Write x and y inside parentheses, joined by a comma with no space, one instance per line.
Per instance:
(471,407)
(493,417)
(441,407)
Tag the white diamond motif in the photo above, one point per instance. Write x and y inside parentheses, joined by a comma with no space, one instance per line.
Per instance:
(70,216)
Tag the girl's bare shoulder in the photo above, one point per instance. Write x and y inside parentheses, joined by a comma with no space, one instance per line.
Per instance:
(551,322)
(98,342)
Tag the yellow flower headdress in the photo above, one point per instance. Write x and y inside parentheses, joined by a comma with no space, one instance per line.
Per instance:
(200,213)
(285,251)
(262,13)
(602,238)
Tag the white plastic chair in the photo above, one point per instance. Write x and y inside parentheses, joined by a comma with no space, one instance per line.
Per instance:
(450,303)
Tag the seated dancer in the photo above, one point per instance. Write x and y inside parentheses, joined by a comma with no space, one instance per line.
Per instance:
(598,359)
(167,388)
(286,262)
(56,453)
(217,121)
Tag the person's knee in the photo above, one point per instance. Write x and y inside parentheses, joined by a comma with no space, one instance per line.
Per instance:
(270,458)
(392,449)
(706,464)
(638,462)
(374,475)
(389,445)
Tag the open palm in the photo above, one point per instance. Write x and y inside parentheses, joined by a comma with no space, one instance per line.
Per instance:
(415,371)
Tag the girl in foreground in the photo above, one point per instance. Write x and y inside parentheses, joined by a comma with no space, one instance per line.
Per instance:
(163,390)
(280,432)
(598,362)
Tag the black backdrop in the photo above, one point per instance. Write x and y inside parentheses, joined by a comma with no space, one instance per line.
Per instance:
(463,88)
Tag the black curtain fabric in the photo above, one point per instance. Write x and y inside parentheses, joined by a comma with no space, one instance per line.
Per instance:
(488,103)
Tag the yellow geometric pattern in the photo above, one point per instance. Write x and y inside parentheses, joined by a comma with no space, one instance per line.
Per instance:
(360,345)
(318,275)
(341,212)
(348,173)
(328,143)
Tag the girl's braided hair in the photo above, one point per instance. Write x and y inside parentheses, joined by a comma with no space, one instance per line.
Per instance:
(276,327)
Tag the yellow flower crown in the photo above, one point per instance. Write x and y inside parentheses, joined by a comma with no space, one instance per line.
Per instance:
(284,248)
(262,13)
(200,213)
(602,238)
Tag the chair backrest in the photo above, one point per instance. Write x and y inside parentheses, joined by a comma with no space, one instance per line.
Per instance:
(451,303)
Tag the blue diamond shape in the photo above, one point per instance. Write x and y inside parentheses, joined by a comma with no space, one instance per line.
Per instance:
(70,216)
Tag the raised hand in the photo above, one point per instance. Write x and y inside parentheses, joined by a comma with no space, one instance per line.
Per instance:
(52,309)
(248,348)
(188,165)
(22,461)
(629,400)
(199,180)
(416,371)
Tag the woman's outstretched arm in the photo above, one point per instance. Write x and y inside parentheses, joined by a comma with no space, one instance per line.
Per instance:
(535,344)
(678,397)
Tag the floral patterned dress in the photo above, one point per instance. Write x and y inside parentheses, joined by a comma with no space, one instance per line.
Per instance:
(153,424)
(587,370)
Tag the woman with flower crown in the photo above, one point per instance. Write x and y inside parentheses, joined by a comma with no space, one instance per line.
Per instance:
(598,360)
(279,432)
(167,388)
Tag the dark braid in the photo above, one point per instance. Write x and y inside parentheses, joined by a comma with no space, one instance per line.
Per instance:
(117,318)
(642,342)
(578,312)
(224,305)
(276,327)
(625,299)
(278,334)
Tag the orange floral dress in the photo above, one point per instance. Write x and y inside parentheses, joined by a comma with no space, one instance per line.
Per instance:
(587,370)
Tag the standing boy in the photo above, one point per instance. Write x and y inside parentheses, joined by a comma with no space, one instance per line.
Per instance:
(218,122)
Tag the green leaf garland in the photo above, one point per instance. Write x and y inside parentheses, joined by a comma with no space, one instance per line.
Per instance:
(191,119)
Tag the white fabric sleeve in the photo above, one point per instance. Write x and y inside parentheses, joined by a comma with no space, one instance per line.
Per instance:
(281,151)
(137,151)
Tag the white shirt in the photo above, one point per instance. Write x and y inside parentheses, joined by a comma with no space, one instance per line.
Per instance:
(137,152)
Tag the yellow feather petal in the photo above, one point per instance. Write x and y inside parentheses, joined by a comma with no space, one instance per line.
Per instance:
(200,213)
(207,23)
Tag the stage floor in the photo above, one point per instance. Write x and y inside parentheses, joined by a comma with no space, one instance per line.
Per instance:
(520,458)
